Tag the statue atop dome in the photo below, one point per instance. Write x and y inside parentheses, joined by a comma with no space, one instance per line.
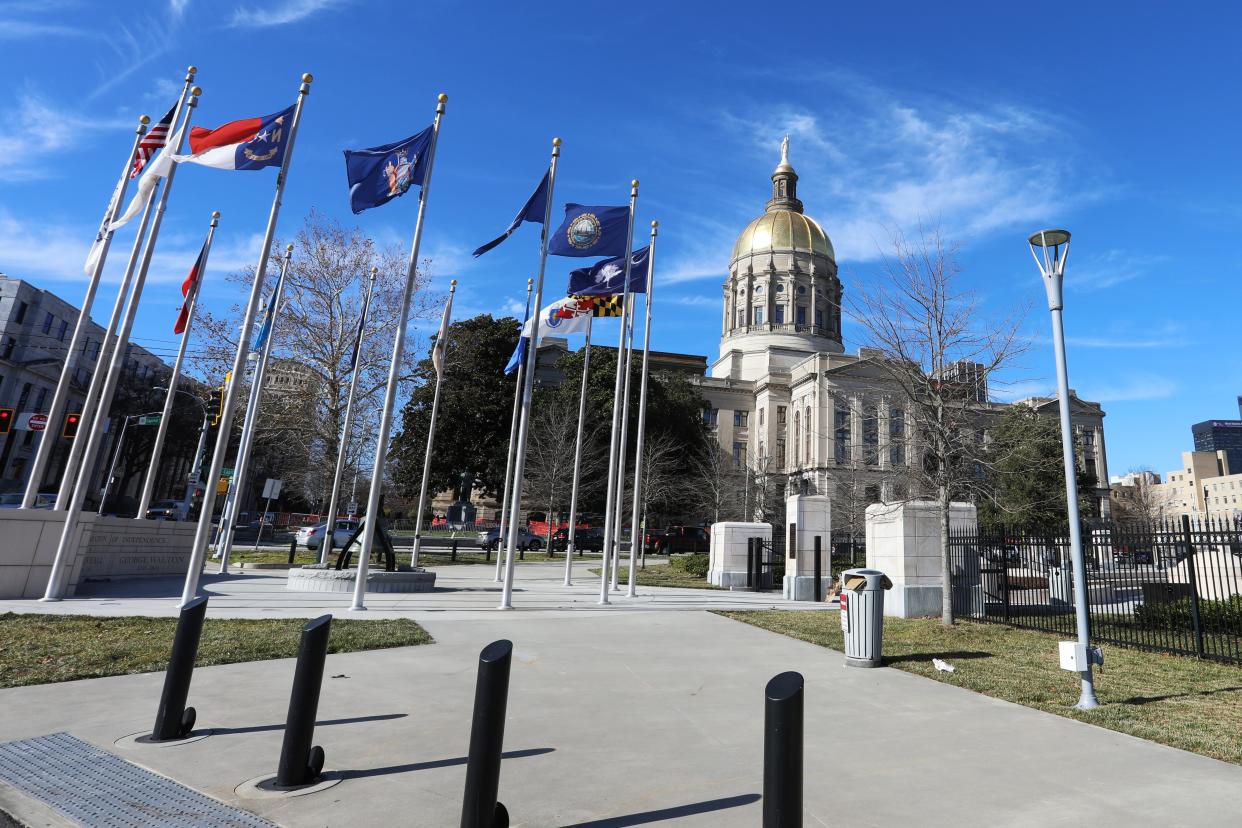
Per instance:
(785,150)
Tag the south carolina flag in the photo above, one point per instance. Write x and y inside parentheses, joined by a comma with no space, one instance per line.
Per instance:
(190,285)
(248,144)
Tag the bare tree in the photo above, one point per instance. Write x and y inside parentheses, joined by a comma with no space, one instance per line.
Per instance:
(1146,500)
(550,458)
(718,482)
(662,454)
(303,404)
(930,339)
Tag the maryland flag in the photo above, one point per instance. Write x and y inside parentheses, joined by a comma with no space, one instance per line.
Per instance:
(602,305)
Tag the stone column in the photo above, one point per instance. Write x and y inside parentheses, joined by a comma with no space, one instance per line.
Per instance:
(856,443)
(882,428)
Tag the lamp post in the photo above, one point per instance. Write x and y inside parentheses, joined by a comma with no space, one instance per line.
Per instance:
(196,468)
(1050,249)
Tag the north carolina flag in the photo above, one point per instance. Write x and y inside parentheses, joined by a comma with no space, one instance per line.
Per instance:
(190,284)
(248,144)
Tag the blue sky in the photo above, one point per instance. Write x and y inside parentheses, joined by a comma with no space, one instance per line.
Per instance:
(1117,121)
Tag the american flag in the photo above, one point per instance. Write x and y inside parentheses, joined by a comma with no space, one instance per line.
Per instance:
(152,142)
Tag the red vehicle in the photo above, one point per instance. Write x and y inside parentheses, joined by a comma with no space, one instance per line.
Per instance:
(676,539)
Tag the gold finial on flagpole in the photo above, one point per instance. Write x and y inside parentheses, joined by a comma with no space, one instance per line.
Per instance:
(215,214)
(556,142)
(374,270)
(530,282)
(442,98)
(453,284)
(190,72)
(144,119)
(196,91)
(289,247)
(307,77)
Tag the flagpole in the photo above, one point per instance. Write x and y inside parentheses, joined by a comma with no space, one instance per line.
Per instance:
(635,537)
(573,496)
(199,550)
(59,399)
(623,446)
(440,347)
(513,427)
(609,517)
(394,373)
(528,386)
(325,546)
(148,487)
(69,532)
(224,547)
(69,475)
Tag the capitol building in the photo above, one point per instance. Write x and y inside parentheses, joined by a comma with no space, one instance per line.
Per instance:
(787,402)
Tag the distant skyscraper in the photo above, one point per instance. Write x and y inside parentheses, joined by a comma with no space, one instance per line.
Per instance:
(1221,435)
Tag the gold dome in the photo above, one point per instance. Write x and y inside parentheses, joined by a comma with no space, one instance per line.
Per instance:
(783,230)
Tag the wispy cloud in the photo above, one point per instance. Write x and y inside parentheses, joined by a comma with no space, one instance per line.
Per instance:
(177,8)
(1111,268)
(37,128)
(281,14)
(21,20)
(1135,387)
(695,300)
(22,29)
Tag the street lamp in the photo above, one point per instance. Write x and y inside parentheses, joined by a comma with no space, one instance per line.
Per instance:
(196,469)
(1050,248)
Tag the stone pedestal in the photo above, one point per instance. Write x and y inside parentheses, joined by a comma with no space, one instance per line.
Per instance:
(807,517)
(326,578)
(903,540)
(727,554)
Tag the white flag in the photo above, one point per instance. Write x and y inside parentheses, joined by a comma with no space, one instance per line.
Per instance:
(92,258)
(157,169)
(441,343)
(564,316)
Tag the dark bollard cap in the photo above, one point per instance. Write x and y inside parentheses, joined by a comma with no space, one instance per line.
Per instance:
(496,651)
(321,621)
(784,687)
(195,604)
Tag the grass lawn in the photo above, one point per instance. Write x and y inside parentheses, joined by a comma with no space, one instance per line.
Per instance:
(1175,700)
(271,556)
(475,556)
(661,576)
(38,649)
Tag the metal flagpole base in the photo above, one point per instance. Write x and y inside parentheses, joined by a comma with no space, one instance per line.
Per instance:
(49,600)
(630,593)
(358,608)
(503,607)
(1087,700)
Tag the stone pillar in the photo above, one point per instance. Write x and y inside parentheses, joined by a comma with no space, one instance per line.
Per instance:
(903,542)
(856,436)
(807,517)
(726,566)
(882,428)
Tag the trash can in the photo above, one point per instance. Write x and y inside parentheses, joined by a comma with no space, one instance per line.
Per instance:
(862,615)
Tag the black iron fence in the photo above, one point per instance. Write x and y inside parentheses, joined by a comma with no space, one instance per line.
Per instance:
(1172,586)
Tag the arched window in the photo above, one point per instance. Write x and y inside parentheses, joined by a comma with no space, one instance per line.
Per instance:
(797,456)
(808,434)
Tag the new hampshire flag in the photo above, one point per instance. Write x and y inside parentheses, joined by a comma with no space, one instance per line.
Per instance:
(380,174)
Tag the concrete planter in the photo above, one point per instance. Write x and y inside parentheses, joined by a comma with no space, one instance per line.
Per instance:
(324,578)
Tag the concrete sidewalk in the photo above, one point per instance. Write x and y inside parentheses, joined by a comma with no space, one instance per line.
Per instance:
(462,591)
(638,718)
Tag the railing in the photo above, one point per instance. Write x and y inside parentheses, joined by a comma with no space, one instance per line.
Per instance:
(1172,586)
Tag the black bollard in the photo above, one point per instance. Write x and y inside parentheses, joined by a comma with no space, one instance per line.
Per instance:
(818,562)
(300,763)
(174,720)
(293,548)
(454,553)
(487,735)
(782,752)
(750,563)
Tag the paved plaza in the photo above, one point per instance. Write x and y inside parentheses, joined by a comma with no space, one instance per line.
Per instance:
(649,712)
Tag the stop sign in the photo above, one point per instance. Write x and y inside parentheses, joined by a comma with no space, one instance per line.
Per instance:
(38,422)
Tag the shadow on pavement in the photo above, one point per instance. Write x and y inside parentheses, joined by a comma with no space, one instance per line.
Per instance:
(263,728)
(960,655)
(647,817)
(435,763)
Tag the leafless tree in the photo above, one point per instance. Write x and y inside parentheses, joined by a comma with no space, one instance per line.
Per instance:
(1145,501)
(550,458)
(930,338)
(718,483)
(304,398)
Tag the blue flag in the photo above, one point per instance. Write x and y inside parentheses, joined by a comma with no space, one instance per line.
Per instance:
(362,324)
(591,231)
(519,353)
(269,314)
(380,174)
(607,278)
(533,210)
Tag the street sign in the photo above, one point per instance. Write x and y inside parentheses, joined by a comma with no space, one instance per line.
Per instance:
(37,422)
(271,489)
(226,472)
(149,419)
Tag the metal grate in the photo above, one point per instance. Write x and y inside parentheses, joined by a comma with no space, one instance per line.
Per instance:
(97,788)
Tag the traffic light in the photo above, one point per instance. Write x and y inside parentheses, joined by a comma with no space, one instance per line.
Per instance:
(228,375)
(6,420)
(71,425)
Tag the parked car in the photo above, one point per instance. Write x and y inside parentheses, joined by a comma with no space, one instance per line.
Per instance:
(166,510)
(526,540)
(585,540)
(682,539)
(312,536)
(13,500)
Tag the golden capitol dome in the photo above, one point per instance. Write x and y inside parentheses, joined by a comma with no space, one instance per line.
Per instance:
(783,230)
(784,227)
